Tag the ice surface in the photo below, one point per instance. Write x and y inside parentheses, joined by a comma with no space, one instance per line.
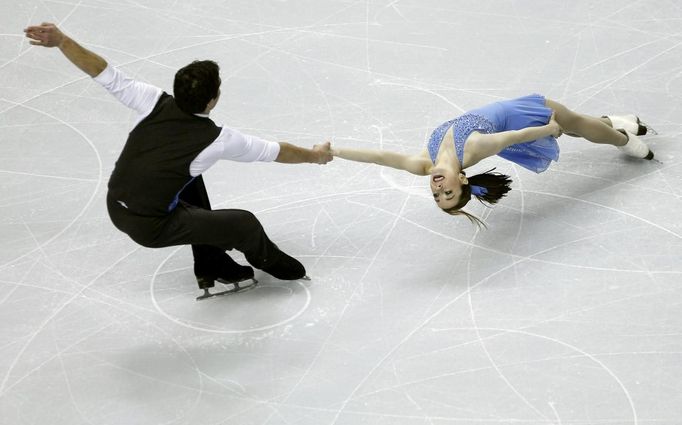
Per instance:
(567,310)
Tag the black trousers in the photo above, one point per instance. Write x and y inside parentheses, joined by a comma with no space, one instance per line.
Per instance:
(192,222)
(195,194)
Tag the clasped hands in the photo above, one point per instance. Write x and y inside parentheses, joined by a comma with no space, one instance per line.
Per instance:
(324,152)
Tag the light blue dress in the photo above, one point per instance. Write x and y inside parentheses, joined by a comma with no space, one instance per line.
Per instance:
(514,114)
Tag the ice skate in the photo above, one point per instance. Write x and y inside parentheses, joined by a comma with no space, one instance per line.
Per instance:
(232,287)
(630,123)
(635,147)
(285,267)
(232,275)
(647,128)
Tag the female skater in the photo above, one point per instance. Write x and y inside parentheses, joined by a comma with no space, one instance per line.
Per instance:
(522,130)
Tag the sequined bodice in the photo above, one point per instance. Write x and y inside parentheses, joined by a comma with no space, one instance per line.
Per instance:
(462,127)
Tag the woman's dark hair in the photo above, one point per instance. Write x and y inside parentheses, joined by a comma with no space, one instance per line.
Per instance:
(195,85)
(496,186)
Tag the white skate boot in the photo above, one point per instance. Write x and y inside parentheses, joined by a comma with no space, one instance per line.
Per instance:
(630,123)
(635,147)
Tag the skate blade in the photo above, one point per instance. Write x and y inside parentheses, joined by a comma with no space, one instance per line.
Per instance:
(236,287)
(650,131)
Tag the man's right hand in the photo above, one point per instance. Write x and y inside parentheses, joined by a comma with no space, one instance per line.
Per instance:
(45,34)
(48,35)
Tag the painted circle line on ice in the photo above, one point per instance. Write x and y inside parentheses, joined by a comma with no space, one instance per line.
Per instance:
(186,324)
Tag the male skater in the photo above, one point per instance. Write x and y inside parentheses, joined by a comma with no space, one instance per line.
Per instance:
(156,193)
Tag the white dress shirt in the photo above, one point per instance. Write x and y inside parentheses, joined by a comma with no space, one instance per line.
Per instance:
(230,144)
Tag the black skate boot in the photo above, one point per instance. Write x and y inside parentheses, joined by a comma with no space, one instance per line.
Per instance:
(228,272)
(285,267)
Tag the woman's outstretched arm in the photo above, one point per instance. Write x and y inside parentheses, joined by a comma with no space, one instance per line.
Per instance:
(416,164)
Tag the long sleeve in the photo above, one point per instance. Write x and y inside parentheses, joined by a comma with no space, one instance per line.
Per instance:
(139,96)
(235,146)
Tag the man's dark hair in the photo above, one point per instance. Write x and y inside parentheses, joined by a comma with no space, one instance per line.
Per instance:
(195,85)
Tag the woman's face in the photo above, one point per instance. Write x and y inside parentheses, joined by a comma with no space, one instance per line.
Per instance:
(446,187)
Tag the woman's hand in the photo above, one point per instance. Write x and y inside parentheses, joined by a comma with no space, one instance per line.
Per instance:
(45,34)
(554,127)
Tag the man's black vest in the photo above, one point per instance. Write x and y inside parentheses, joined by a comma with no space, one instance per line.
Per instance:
(154,165)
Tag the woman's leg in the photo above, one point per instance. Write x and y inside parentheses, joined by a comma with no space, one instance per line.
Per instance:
(596,130)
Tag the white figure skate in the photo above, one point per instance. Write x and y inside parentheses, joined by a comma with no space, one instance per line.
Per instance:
(631,123)
(635,147)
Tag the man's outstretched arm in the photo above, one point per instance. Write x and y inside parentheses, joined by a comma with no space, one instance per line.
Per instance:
(292,154)
(48,35)
(134,94)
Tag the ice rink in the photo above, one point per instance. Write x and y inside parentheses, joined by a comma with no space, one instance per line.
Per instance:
(567,310)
